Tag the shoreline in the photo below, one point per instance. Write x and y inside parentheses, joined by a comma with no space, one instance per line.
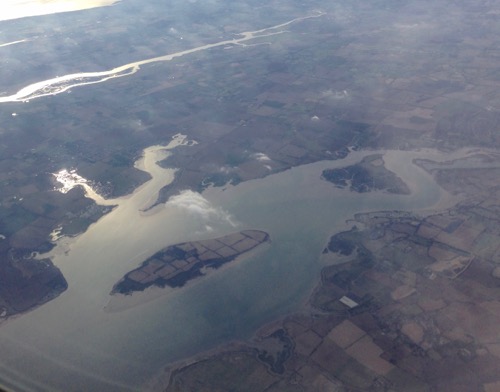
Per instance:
(305,308)
(147,163)
(163,378)
(302,307)
(116,302)
(61,84)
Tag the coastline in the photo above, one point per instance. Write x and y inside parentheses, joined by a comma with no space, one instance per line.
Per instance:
(305,309)
(120,303)
(302,307)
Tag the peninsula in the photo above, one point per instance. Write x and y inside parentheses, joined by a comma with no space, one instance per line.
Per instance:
(366,176)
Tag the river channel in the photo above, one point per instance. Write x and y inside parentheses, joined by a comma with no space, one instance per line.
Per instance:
(72,342)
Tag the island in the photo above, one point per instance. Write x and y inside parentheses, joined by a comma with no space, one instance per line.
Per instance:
(368,175)
(406,301)
(177,264)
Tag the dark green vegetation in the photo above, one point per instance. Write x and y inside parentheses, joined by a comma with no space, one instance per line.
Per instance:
(368,74)
(408,303)
(276,358)
(25,225)
(250,108)
(177,264)
(414,308)
(255,368)
(342,243)
(368,175)
(231,372)
(26,283)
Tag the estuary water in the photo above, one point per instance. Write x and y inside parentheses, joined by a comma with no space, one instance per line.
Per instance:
(64,83)
(72,343)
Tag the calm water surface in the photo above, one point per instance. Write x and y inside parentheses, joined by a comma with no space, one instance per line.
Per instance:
(71,342)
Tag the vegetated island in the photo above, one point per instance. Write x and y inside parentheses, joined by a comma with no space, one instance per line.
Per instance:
(177,264)
(405,302)
(368,175)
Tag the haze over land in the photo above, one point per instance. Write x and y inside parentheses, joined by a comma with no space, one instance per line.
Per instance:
(354,145)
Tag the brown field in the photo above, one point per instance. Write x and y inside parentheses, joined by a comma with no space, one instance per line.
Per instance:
(345,334)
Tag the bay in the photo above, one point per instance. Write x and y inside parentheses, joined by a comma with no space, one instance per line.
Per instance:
(72,342)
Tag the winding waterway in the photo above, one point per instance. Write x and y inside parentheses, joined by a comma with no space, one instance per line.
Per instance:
(61,84)
(72,342)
